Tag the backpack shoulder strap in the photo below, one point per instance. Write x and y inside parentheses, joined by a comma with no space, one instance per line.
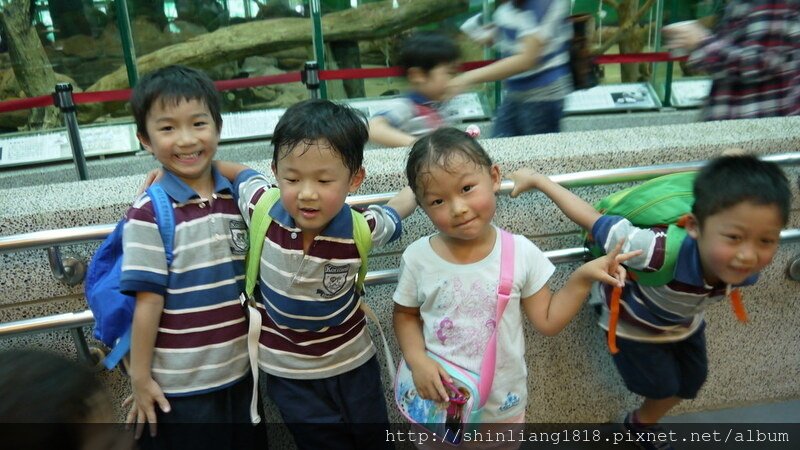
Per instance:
(165,218)
(362,235)
(259,223)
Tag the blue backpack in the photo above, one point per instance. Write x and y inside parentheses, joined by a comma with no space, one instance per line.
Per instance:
(113,310)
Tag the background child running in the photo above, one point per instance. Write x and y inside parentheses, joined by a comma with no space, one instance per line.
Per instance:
(446,295)
(189,343)
(319,361)
(429,61)
(733,233)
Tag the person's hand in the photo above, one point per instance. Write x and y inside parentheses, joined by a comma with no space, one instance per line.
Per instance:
(151,177)
(608,269)
(525,180)
(687,36)
(146,393)
(457,85)
(427,375)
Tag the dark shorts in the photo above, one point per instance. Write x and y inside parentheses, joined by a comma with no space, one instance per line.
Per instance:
(218,420)
(663,370)
(346,411)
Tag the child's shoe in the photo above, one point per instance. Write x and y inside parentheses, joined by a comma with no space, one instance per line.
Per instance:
(647,432)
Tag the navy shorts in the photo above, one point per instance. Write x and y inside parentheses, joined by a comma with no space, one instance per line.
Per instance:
(346,411)
(663,370)
(217,420)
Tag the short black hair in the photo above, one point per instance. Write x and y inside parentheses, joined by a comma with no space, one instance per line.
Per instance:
(343,127)
(426,50)
(38,386)
(729,180)
(174,84)
(438,149)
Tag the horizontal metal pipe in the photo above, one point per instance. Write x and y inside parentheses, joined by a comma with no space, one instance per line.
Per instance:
(40,239)
(375,277)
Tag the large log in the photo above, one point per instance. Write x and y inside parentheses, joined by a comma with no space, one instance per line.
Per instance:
(370,21)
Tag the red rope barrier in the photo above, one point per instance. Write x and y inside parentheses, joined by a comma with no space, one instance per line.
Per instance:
(293,77)
(638,58)
(241,83)
(26,103)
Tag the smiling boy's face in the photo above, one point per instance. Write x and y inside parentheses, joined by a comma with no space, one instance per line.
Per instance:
(183,137)
(738,242)
(314,184)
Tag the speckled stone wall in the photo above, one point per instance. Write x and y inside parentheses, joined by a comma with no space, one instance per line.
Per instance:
(571,377)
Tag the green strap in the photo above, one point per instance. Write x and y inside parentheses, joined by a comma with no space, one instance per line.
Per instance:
(259,222)
(363,237)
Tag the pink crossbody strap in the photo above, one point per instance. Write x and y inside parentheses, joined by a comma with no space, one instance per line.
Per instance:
(489,362)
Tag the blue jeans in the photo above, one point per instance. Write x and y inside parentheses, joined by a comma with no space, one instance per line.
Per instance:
(516,118)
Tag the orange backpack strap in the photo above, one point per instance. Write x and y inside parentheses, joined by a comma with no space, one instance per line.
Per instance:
(738,305)
(613,317)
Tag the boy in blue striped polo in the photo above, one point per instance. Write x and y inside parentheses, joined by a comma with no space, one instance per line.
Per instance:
(189,344)
(315,350)
(733,233)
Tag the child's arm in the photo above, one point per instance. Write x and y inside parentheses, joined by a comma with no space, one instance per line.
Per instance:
(383,133)
(549,313)
(404,202)
(146,392)
(229,170)
(570,204)
(426,372)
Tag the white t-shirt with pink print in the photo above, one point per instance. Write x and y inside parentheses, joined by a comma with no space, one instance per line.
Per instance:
(458,305)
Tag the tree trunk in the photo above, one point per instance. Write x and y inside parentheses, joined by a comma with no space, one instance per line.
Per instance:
(29,61)
(367,22)
(629,43)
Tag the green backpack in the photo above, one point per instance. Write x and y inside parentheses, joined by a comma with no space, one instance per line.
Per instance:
(663,201)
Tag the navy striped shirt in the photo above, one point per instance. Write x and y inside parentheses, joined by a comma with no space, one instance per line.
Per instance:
(201,344)
(667,313)
(312,324)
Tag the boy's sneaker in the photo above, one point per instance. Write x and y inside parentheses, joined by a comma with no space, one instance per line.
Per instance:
(646,436)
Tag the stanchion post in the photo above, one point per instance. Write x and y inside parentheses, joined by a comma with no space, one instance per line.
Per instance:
(310,77)
(64,101)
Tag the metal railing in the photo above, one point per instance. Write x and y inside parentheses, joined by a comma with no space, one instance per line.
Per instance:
(76,320)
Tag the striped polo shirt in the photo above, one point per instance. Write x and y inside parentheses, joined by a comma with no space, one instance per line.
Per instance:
(416,114)
(547,20)
(667,313)
(201,344)
(312,325)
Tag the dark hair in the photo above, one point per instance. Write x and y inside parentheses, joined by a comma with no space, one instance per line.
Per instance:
(439,148)
(174,84)
(427,50)
(343,127)
(729,180)
(42,387)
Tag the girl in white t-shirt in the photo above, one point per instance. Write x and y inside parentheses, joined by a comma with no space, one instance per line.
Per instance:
(447,291)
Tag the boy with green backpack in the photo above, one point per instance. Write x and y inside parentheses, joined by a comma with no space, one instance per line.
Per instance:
(701,237)
(315,351)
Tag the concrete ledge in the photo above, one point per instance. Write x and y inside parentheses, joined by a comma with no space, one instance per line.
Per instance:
(571,377)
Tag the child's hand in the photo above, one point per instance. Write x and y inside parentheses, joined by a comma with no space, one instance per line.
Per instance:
(525,180)
(427,375)
(608,269)
(145,394)
(151,177)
